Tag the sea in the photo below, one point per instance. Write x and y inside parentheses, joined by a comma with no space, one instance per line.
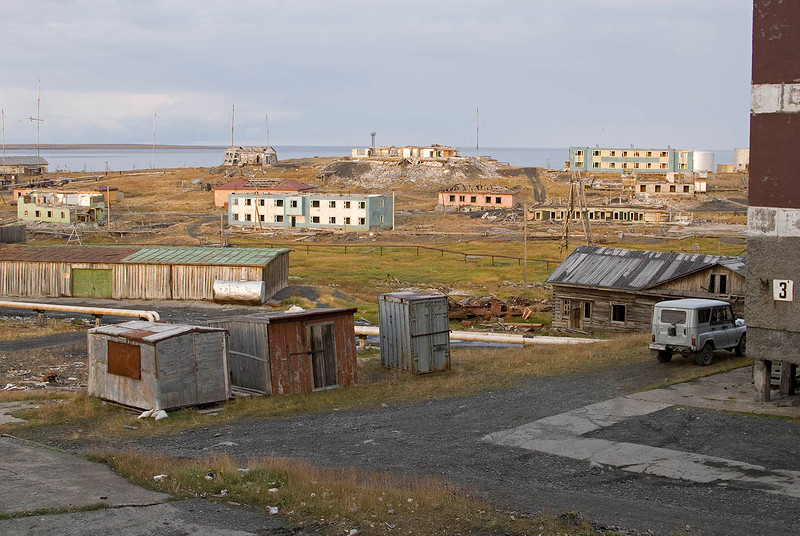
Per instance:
(100,160)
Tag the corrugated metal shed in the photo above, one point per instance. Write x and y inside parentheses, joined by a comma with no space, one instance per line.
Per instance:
(414,331)
(204,256)
(626,269)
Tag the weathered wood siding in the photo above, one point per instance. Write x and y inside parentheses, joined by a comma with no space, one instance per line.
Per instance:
(248,353)
(699,283)
(638,309)
(141,393)
(38,279)
(142,281)
(276,275)
(12,233)
(191,370)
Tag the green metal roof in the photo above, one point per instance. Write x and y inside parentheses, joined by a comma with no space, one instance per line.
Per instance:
(204,256)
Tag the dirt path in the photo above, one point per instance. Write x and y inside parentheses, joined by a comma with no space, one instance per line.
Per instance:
(539,193)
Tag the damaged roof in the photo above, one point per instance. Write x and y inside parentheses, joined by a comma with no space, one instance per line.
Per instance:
(279,185)
(627,269)
(22,161)
(481,188)
(151,332)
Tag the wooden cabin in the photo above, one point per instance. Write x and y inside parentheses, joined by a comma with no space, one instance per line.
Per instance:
(153,365)
(612,289)
(291,352)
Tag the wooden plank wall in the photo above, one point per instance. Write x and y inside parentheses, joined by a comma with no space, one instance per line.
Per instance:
(34,279)
(248,353)
(191,370)
(121,389)
(12,233)
(276,275)
(142,281)
(700,281)
(639,309)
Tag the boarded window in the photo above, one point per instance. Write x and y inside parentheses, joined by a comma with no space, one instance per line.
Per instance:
(587,310)
(124,360)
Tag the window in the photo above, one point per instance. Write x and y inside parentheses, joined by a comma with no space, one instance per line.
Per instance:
(347,221)
(718,283)
(613,153)
(261,202)
(703,316)
(663,154)
(658,188)
(578,163)
(488,199)
(636,154)
(579,153)
(315,204)
(624,153)
(649,165)
(235,216)
(248,201)
(595,153)
(624,165)
(279,202)
(331,204)
(649,154)
(381,219)
(248,217)
(314,219)
(347,204)
(686,189)
(683,166)
(363,204)
(62,214)
(473,199)
(362,221)
(49,214)
(382,202)
(332,220)
(278,218)
(663,165)
(498,200)
(461,198)
(293,203)
(235,200)
(612,165)
(636,165)
(261,217)
(672,188)
(38,213)
(566,308)
(617,312)
(671,316)
(587,310)
(452,199)
(595,164)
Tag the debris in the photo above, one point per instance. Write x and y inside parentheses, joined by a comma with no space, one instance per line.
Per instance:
(129,427)
(244,470)
(273,490)
(159,478)
(272,510)
(145,414)
(210,475)
(160,414)
(12,387)
(50,377)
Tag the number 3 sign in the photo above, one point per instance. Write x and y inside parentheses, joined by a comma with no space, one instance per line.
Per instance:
(783,290)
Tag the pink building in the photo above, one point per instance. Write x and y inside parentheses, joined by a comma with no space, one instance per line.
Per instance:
(257,186)
(480,197)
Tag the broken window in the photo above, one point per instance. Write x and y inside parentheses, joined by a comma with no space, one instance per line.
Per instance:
(362,221)
(314,219)
(331,204)
(315,204)
(587,309)
(452,199)
(672,188)
(278,219)
(347,221)
(658,188)
(332,220)
(347,204)
(643,188)
(362,204)
(618,312)
(279,202)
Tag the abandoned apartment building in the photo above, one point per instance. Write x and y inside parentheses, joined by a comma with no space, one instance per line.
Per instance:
(466,197)
(257,186)
(611,289)
(61,207)
(14,168)
(616,160)
(611,213)
(674,184)
(311,210)
(249,155)
(408,152)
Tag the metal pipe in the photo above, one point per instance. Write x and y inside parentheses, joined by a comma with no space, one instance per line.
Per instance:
(493,337)
(152,316)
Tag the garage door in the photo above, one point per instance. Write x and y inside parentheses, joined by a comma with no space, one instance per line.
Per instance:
(87,283)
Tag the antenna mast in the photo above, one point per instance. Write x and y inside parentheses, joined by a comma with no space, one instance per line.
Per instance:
(37,119)
(267,118)
(153,165)
(373,139)
(233,114)
(477,127)
(3,114)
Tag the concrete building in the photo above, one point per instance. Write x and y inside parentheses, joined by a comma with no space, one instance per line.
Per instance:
(67,208)
(612,289)
(476,197)
(264,186)
(321,211)
(773,216)
(741,160)
(249,155)
(410,152)
(627,213)
(14,167)
(676,184)
(109,193)
(629,160)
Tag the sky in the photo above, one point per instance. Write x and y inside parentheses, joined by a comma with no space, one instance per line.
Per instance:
(541,73)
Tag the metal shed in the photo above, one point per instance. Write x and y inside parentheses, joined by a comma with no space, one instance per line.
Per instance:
(281,352)
(150,365)
(136,272)
(415,331)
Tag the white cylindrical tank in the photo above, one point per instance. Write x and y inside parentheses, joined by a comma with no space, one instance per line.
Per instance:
(703,161)
(239,291)
(741,159)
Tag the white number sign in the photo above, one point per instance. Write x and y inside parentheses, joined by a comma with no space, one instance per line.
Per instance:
(783,290)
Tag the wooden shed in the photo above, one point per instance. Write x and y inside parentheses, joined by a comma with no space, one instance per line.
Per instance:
(136,272)
(281,352)
(152,365)
(613,289)
(414,331)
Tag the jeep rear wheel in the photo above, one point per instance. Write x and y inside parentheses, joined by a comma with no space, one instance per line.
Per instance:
(664,356)
(741,348)
(705,356)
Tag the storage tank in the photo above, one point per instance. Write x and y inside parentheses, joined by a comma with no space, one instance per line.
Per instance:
(703,161)
(741,159)
(239,291)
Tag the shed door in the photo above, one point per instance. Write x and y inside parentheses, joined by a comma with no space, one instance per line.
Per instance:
(89,283)
(323,354)
(248,356)
(430,335)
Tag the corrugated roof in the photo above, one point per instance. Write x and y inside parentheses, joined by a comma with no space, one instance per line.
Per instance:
(22,161)
(204,256)
(139,254)
(151,332)
(627,269)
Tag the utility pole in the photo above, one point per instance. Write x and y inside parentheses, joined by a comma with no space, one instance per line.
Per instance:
(153,165)
(37,119)
(373,139)
(477,133)
(267,118)
(584,211)
(233,114)
(3,113)
(525,246)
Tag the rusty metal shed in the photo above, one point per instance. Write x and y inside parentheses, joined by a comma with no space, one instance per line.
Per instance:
(136,272)
(281,352)
(152,365)
(415,331)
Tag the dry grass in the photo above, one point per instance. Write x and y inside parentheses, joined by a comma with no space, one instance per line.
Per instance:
(18,328)
(335,501)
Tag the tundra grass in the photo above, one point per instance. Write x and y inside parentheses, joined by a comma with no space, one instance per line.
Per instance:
(25,327)
(336,501)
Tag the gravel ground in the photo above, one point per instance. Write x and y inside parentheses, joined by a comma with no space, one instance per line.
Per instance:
(443,437)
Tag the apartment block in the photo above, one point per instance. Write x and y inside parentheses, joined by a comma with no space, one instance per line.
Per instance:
(622,160)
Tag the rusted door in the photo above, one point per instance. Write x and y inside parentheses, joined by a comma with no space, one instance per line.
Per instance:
(323,354)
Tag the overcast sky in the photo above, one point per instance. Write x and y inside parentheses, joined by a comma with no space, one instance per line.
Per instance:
(543,73)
